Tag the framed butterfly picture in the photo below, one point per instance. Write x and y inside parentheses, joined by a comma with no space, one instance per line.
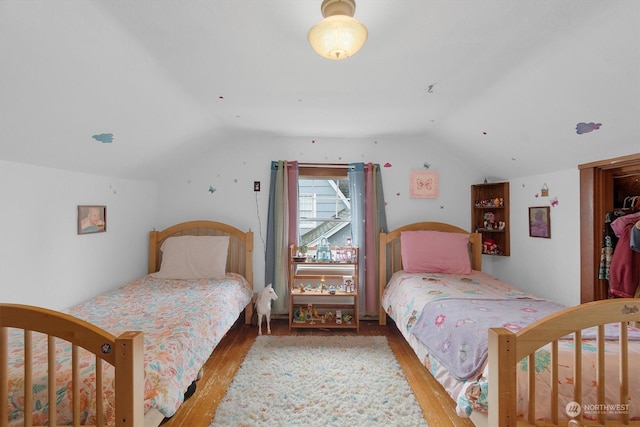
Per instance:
(423,184)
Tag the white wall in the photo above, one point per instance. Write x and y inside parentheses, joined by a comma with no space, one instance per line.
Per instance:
(184,193)
(43,261)
(546,267)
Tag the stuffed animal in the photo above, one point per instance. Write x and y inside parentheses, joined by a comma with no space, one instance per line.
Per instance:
(489,246)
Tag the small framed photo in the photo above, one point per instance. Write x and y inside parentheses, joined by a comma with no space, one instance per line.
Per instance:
(92,219)
(540,222)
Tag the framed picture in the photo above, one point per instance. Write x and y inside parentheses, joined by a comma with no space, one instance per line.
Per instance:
(540,222)
(92,219)
(423,184)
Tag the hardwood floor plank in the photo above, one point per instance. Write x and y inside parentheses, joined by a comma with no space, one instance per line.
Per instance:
(222,366)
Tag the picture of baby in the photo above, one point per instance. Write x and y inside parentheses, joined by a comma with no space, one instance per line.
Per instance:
(91,219)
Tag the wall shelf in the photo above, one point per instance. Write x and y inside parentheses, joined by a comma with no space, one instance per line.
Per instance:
(490,216)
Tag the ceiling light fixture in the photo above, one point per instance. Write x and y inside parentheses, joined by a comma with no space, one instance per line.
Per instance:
(338,36)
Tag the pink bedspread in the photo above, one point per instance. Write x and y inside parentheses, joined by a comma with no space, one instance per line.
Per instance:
(182,320)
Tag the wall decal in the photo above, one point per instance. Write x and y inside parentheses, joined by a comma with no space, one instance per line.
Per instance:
(105,138)
(387,165)
(423,184)
(554,202)
(587,127)
(426,165)
(544,191)
(211,189)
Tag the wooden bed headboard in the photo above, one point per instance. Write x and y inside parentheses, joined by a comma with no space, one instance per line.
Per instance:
(390,256)
(239,259)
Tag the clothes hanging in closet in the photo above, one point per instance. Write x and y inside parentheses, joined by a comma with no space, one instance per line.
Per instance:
(609,243)
(624,271)
(635,237)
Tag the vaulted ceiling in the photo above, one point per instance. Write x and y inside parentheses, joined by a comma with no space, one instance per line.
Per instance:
(520,87)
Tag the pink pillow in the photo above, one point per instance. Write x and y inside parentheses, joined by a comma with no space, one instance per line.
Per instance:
(194,257)
(425,251)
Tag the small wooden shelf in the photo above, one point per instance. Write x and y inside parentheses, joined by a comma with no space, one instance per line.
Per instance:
(308,274)
(492,198)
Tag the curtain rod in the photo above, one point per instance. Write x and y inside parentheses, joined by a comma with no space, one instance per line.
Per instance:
(323,165)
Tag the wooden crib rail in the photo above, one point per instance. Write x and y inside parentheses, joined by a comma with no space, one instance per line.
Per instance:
(506,349)
(125,353)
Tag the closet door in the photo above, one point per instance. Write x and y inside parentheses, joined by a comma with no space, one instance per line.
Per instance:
(598,181)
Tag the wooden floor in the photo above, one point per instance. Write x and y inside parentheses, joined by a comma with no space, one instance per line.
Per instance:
(199,409)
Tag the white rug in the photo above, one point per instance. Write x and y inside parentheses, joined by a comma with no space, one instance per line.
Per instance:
(319,381)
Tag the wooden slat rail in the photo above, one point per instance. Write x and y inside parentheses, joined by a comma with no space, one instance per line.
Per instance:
(125,353)
(506,349)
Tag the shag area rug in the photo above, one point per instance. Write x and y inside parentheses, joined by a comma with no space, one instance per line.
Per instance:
(319,381)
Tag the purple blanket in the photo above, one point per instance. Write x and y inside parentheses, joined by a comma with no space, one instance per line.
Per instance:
(455,330)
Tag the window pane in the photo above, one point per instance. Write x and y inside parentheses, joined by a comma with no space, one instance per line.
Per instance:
(325,210)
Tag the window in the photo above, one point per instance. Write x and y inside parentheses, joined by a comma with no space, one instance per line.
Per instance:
(324,206)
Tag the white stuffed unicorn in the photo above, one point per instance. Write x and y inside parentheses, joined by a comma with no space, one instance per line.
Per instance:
(263,306)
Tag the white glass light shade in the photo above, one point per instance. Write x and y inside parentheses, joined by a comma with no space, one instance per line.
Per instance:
(337,37)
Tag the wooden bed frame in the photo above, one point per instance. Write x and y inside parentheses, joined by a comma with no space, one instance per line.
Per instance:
(506,348)
(125,352)
(390,257)
(239,260)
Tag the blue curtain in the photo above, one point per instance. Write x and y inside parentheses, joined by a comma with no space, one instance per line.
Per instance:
(368,218)
(282,229)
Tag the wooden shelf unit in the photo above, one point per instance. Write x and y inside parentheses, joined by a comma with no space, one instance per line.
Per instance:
(303,273)
(492,198)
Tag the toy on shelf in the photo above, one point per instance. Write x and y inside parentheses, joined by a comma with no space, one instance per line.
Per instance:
(324,251)
(489,246)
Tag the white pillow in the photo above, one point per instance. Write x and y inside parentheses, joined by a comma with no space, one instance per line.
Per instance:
(194,257)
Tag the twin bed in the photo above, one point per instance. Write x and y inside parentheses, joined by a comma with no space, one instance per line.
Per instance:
(140,347)
(478,336)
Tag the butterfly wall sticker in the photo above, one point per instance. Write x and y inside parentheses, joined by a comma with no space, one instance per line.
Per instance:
(423,184)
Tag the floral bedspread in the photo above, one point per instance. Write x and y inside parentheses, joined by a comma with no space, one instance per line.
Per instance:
(407,293)
(182,321)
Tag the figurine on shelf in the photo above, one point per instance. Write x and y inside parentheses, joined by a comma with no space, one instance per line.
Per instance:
(347,318)
(489,220)
(324,251)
